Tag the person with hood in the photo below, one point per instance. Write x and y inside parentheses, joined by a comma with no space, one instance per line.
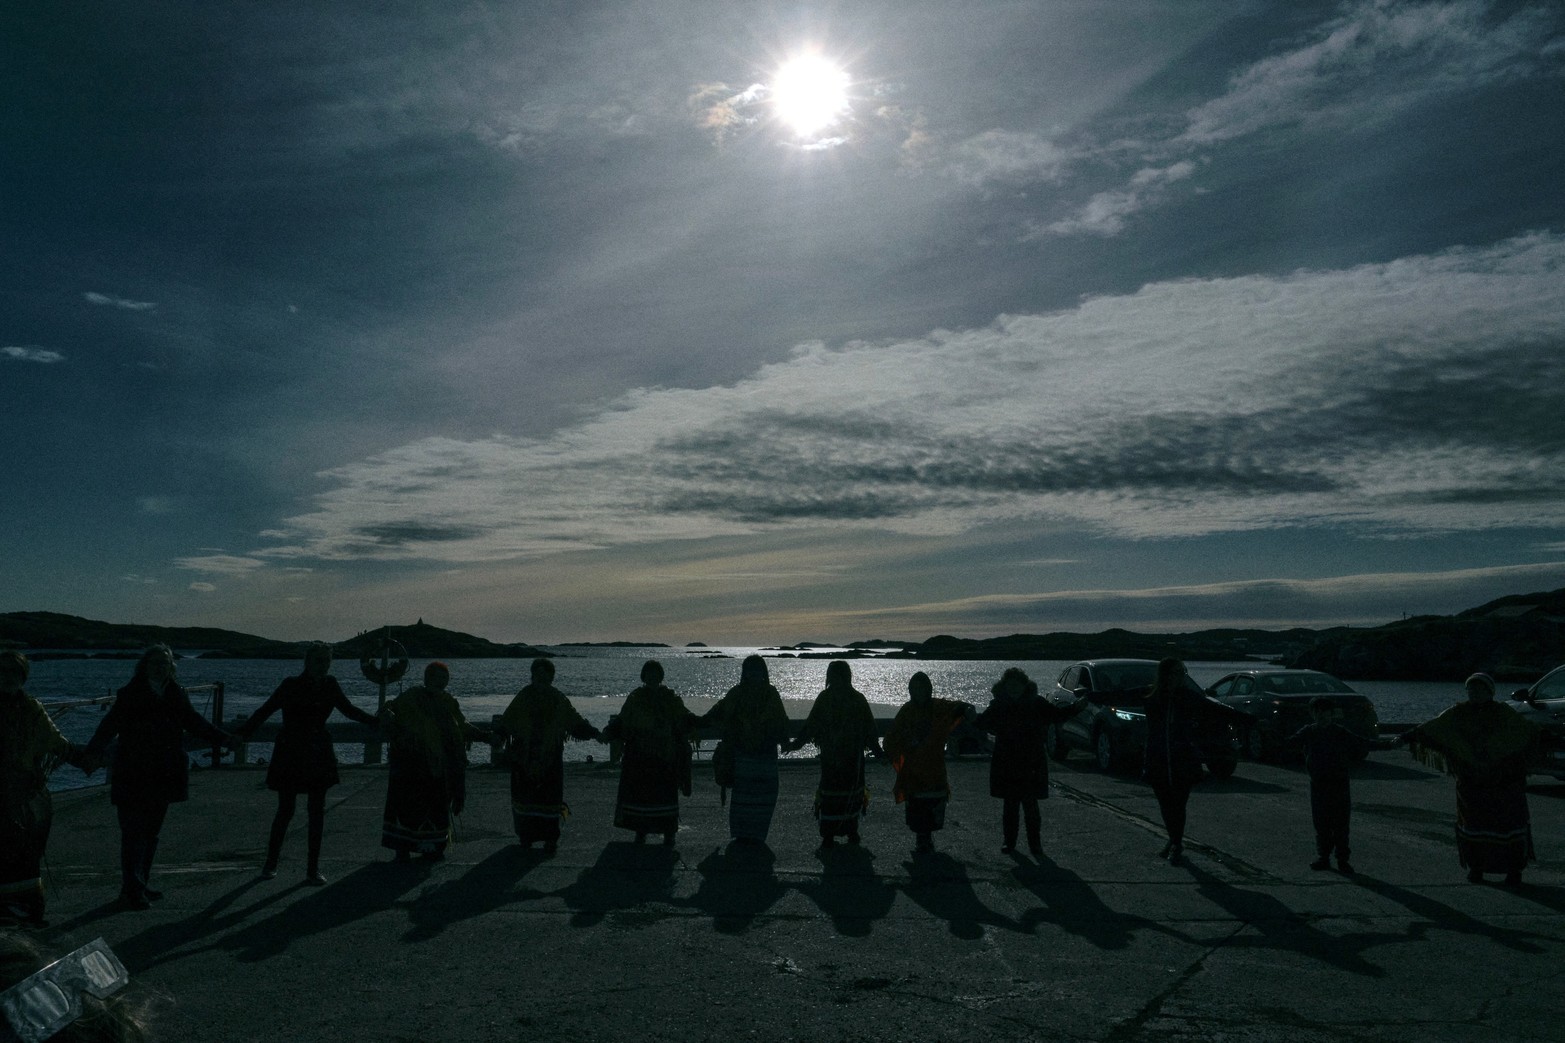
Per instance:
(841,725)
(916,744)
(1019,718)
(653,730)
(426,767)
(752,722)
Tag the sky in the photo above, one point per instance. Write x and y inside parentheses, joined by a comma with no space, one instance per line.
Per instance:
(550,321)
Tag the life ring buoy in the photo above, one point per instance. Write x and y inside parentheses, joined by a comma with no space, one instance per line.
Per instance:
(391,671)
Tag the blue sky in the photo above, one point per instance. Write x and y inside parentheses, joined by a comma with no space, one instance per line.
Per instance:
(534,320)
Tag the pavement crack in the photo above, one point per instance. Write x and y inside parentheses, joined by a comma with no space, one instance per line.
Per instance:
(1130,1028)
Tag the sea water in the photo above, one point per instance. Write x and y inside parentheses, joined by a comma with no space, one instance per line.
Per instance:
(598,678)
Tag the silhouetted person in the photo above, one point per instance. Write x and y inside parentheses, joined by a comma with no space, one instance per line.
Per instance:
(303,760)
(916,744)
(751,720)
(30,748)
(426,777)
(1176,709)
(1330,751)
(1019,719)
(1485,745)
(535,727)
(654,729)
(841,725)
(151,770)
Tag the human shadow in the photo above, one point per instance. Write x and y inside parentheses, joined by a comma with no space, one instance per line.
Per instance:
(1443,916)
(738,884)
(1235,785)
(1281,928)
(939,884)
(487,886)
(166,942)
(849,891)
(368,890)
(1070,903)
(626,876)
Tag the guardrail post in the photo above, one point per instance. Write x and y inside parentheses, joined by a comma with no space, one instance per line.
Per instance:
(217,720)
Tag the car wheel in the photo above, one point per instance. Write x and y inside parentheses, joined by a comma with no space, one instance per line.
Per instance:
(1056,744)
(1255,745)
(1107,754)
(1220,770)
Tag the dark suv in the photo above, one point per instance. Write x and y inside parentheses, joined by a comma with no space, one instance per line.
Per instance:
(1279,702)
(1113,724)
(1544,704)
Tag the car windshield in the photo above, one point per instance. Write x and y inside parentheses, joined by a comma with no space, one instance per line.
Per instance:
(1120,677)
(1300,684)
(1552,686)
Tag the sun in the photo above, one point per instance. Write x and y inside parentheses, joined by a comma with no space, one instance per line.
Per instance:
(809,94)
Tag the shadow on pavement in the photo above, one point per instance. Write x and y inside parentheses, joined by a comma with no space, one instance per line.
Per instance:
(368,890)
(624,877)
(849,891)
(939,883)
(487,886)
(1445,918)
(738,884)
(1069,902)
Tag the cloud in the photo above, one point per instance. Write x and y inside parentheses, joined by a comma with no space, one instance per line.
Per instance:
(105,300)
(1008,156)
(204,588)
(1415,396)
(31,353)
(1105,213)
(1370,64)
(1378,58)
(220,564)
(1366,599)
(156,504)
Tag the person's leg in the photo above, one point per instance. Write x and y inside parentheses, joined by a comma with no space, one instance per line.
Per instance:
(1320,818)
(1034,822)
(153,825)
(286,801)
(315,818)
(1010,816)
(132,841)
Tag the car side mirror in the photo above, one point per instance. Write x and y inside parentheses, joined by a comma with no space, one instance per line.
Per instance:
(1521,695)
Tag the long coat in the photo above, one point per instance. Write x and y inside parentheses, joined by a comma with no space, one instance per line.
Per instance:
(150,763)
(1019,768)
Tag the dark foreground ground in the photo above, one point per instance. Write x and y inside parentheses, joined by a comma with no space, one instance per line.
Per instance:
(1098,940)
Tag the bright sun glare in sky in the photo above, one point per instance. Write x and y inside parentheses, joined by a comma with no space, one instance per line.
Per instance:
(809,94)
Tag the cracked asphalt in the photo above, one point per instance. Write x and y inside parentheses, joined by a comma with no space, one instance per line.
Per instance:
(1096,940)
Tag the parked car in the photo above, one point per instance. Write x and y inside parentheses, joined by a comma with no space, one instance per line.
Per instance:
(1113,725)
(1279,701)
(1544,704)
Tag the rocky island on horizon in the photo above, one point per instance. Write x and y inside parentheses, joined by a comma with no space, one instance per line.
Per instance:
(1514,638)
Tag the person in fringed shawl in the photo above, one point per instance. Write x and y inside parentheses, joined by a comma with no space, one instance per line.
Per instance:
(653,730)
(1019,719)
(30,748)
(426,777)
(1485,745)
(751,719)
(841,725)
(916,744)
(535,727)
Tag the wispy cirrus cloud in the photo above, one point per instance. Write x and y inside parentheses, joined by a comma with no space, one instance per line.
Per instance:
(1368,65)
(220,564)
(107,301)
(1420,395)
(31,353)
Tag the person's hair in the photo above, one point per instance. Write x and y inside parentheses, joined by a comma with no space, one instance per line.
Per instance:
(437,667)
(838,672)
(1320,702)
(117,1019)
(1169,671)
(920,682)
(1013,673)
(153,652)
(543,668)
(753,671)
(652,673)
(14,660)
(315,648)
